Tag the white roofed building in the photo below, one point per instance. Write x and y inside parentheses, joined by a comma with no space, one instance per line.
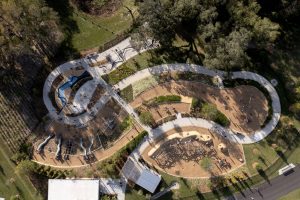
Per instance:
(73,189)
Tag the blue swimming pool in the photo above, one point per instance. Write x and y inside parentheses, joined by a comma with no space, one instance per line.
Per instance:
(70,83)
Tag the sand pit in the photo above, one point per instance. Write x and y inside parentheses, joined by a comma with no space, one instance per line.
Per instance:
(181,153)
(245,106)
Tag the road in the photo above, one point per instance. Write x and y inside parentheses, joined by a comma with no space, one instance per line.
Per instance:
(278,187)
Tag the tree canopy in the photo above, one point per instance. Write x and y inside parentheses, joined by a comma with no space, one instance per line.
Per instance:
(225,30)
(28,32)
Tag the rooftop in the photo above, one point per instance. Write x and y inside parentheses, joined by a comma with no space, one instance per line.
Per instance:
(70,189)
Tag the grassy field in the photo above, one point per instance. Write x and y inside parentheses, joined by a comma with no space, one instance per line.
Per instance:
(12,183)
(139,62)
(294,195)
(95,31)
(261,153)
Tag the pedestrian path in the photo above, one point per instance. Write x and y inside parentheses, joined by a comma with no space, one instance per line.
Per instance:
(123,51)
(97,65)
(255,137)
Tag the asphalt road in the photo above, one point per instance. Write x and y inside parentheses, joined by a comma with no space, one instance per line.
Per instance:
(276,188)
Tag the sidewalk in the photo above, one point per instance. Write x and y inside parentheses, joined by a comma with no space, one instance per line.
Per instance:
(257,136)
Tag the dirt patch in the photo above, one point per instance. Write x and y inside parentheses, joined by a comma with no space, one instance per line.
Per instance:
(48,157)
(104,130)
(183,157)
(162,111)
(245,106)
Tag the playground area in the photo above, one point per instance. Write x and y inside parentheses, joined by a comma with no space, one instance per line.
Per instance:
(65,145)
(194,152)
(245,106)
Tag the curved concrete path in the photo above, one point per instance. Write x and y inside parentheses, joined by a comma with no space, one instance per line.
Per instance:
(181,122)
(117,55)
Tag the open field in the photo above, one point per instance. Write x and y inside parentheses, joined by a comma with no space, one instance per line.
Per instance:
(294,195)
(94,31)
(12,183)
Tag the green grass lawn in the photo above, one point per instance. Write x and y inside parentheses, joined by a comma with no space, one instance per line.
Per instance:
(11,183)
(95,31)
(132,194)
(261,153)
(139,62)
(294,195)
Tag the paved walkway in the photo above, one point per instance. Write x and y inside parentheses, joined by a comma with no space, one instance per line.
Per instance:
(116,55)
(257,136)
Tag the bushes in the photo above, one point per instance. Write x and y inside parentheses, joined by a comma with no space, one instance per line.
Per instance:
(146,118)
(206,163)
(167,99)
(127,122)
(210,112)
(201,109)
(117,75)
(109,166)
(164,99)
(127,93)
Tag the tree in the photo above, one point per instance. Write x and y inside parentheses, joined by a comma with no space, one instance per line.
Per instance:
(206,163)
(28,31)
(245,14)
(156,21)
(228,52)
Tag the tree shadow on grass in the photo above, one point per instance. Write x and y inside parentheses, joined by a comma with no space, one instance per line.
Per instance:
(262,160)
(2,170)
(282,156)
(69,25)
(264,175)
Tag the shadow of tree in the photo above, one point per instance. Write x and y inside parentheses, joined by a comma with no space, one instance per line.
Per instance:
(263,175)
(282,156)
(262,160)
(69,26)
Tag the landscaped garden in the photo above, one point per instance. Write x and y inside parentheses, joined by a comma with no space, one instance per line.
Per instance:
(252,36)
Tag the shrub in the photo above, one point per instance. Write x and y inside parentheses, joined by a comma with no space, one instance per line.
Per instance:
(206,163)
(109,166)
(119,74)
(168,98)
(127,93)
(195,103)
(210,112)
(258,167)
(164,99)
(147,118)
(127,122)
